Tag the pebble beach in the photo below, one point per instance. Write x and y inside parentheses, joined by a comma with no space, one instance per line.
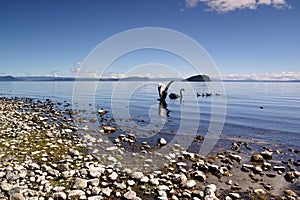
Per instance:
(42,156)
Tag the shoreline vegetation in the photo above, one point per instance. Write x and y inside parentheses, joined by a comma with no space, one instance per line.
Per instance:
(196,78)
(43,157)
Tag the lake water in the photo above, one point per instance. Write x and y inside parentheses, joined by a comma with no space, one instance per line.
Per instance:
(134,106)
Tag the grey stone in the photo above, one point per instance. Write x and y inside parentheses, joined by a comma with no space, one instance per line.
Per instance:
(234,195)
(236,157)
(74,193)
(183,178)
(213,187)
(17,196)
(144,179)
(95,172)
(59,188)
(130,195)
(290,193)
(257,158)
(94,182)
(80,183)
(107,191)
(137,175)
(266,154)
(154,181)
(6,186)
(259,192)
(199,176)
(162,195)
(73,152)
(279,168)
(95,190)
(59,195)
(163,188)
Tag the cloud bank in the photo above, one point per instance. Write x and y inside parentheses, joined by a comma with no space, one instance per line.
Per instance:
(223,6)
(275,76)
(279,76)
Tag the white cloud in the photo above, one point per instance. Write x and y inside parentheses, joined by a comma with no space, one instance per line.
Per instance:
(84,72)
(53,74)
(78,63)
(283,76)
(76,69)
(281,4)
(149,75)
(224,6)
(266,2)
(192,3)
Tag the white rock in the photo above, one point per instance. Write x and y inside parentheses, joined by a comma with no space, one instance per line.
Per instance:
(113,176)
(112,148)
(59,188)
(130,182)
(130,195)
(234,195)
(95,172)
(190,183)
(144,179)
(213,187)
(137,175)
(107,191)
(162,141)
(162,194)
(95,197)
(259,191)
(154,181)
(181,164)
(236,157)
(163,188)
(74,193)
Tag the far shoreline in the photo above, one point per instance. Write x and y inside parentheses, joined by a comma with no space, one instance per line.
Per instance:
(127,79)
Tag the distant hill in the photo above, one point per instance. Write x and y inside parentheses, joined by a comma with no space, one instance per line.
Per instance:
(51,78)
(198,78)
(135,78)
(9,78)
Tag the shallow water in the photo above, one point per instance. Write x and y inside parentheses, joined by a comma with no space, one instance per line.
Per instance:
(278,122)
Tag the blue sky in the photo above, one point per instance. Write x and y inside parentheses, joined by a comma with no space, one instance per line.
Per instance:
(253,38)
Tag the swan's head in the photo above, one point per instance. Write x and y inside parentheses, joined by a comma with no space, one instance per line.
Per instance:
(160,84)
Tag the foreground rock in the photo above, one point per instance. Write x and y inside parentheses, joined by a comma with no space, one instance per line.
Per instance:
(41,157)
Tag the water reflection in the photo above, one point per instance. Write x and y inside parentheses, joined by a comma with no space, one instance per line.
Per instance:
(163,108)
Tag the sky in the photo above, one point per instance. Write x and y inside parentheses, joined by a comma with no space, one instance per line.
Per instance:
(246,39)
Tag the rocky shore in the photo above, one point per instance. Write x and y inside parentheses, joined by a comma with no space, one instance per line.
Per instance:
(42,157)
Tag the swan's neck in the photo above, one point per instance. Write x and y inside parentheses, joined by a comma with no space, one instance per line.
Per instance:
(181,92)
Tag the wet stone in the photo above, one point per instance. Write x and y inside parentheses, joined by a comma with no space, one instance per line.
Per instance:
(257,158)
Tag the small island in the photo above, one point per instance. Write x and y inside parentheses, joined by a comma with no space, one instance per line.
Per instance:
(198,78)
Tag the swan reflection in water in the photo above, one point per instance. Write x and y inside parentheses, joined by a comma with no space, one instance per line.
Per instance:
(163,108)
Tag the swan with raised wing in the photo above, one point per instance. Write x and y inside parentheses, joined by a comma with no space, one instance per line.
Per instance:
(163,90)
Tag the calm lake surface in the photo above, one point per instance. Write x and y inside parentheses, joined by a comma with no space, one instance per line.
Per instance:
(276,122)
